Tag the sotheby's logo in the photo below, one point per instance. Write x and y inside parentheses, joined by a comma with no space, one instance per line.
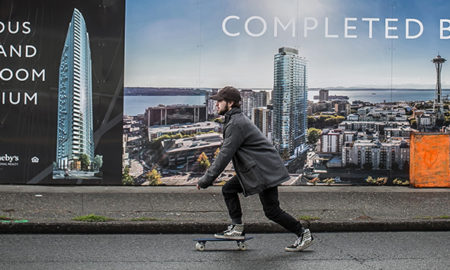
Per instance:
(9,160)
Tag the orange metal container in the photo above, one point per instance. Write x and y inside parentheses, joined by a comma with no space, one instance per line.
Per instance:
(430,160)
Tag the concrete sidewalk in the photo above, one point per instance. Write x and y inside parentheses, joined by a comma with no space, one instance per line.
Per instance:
(50,209)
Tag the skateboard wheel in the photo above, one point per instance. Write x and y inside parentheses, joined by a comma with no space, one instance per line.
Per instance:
(200,246)
(242,246)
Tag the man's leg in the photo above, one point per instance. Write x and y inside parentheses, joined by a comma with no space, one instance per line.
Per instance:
(271,206)
(230,193)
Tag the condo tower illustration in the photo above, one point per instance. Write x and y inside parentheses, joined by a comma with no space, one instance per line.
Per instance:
(75,140)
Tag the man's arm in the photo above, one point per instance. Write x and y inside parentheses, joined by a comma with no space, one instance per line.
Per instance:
(232,141)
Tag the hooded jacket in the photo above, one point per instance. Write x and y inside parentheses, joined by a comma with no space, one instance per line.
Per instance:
(258,165)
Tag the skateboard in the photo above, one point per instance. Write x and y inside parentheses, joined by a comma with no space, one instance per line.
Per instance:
(201,242)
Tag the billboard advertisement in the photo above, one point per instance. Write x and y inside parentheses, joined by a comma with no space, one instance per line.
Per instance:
(337,86)
(118,92)
(61,91)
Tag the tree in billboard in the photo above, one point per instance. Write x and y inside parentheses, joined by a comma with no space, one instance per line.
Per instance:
(84,162)
(203,161)
(216,153)
(154,178)
(313,135)
(218,120)
(447,120)
(127,179)
(98,162)
(171,137)
(376,181)
(311,121)
(323,121)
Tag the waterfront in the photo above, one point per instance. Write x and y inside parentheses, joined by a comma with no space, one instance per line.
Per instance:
(134,105)
(383,95)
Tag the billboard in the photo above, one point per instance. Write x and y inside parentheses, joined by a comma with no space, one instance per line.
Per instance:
(117,92)
(61,86)
(337,87)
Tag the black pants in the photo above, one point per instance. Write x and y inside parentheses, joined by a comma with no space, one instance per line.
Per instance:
(269,201)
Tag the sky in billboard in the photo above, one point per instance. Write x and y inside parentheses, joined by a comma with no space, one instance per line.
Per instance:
(349,43)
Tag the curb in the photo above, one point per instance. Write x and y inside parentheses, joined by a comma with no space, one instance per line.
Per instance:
(208,228)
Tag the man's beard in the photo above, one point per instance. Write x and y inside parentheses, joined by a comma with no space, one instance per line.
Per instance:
(225,110)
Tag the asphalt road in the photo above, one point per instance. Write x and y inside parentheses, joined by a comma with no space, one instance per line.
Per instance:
(384,250)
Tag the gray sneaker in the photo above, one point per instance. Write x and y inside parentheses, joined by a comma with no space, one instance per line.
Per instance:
(233,232)
(304,241)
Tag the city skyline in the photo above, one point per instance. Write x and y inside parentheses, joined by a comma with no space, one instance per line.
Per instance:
(184,46)
(290,48)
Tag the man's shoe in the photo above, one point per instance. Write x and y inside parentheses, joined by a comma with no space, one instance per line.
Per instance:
(304,241)
(233,232)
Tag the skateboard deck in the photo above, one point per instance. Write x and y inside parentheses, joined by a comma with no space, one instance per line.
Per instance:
(201,242)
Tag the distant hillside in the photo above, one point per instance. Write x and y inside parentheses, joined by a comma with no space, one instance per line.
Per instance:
(155,91)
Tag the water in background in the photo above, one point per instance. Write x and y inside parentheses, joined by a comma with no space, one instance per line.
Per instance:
(134,105)
(381,95)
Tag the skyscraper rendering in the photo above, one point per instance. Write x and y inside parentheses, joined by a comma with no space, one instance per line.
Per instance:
(75,123)
(289,99)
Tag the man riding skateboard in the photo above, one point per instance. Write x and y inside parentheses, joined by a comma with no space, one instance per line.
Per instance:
(259,170)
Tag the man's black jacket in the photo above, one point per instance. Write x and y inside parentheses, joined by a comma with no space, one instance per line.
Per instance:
(258,165)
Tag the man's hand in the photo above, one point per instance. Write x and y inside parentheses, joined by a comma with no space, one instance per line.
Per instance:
(200,181)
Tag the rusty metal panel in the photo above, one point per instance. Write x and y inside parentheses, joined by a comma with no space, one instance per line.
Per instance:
(430,160)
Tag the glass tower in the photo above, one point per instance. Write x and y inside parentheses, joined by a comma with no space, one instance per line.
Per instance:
(289,100)
(75,124)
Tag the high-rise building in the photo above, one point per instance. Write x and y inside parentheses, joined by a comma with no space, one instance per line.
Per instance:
(260,99)
(247,102)
(323,95)
(262,118)
(269,97)
(211,104)
(289,99)
(75,124)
